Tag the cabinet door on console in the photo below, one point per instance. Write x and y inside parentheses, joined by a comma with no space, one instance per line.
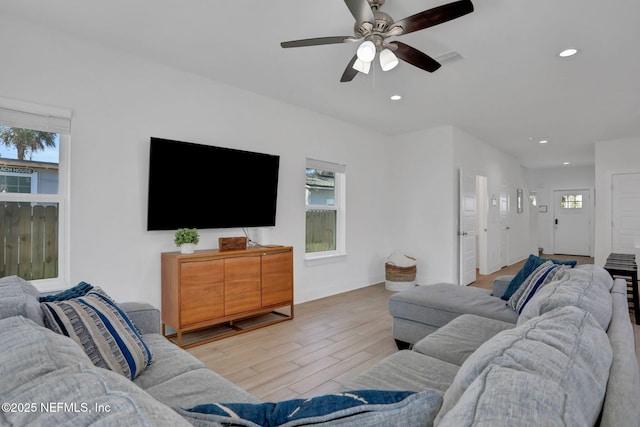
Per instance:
(201,291)
(242,284)
(277,278)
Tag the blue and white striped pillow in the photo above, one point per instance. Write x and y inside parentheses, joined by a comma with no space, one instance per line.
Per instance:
(102,329)
(532,284)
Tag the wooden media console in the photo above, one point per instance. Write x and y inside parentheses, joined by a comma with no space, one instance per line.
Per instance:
(212,294)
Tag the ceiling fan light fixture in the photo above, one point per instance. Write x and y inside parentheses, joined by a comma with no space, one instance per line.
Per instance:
(366,51)
(373,27)
(362,66)
(388,60)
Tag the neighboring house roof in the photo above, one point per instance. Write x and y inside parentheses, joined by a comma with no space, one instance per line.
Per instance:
(320,181)
(7,163)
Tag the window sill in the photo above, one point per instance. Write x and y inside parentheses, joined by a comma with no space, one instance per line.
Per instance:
(45,286)
(324,258)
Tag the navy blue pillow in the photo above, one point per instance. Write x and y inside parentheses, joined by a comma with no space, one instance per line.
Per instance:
(529,267)
(79,290)
(302,410)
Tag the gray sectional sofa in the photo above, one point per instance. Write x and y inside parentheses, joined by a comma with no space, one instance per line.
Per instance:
(568,359)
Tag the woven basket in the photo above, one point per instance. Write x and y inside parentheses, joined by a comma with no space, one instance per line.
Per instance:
(400,274)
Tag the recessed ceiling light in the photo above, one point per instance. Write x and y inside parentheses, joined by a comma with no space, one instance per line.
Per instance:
(539,139)
(396,97)
(568,52)
(566,163)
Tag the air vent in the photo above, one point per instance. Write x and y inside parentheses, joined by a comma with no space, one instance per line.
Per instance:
(448,57)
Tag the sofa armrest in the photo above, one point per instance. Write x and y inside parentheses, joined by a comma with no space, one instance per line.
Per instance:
(145,316)
(500,284)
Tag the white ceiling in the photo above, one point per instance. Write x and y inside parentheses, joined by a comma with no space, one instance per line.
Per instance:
(509,87)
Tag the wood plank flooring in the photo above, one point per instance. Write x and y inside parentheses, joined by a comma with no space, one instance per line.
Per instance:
(329,341)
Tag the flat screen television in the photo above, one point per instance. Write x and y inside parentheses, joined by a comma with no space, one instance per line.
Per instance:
(202,186)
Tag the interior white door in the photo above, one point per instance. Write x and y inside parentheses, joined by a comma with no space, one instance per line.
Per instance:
(467,232)
(572,222)
(482,225)
(625,213)
(504,225)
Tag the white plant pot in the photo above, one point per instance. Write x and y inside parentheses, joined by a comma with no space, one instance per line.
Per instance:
(187,248)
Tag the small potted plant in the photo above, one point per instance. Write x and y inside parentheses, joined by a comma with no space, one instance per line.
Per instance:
(186,239)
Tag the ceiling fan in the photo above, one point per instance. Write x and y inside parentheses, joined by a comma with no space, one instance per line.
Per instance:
(373,27)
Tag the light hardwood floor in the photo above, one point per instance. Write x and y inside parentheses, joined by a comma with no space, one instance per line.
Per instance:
(329,341)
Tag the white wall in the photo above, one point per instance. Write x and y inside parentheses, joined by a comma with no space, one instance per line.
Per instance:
(480,158)
(424,222)
(618,156)
(544,182)
(421,221)
(119,101)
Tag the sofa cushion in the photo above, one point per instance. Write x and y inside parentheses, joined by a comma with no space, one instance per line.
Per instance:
(352,408)
(19,298)
(516,398)
(86,395)
(458,339)
(40,367)
(587,288)
(437,305)
(197,387)
(169,361)
(405,370)
(29,351)
(529,266)
(566,346)
(103,330)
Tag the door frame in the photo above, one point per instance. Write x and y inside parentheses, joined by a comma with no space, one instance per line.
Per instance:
(604,233)
(612,206)
(465,235)
(504,221)
(482,224)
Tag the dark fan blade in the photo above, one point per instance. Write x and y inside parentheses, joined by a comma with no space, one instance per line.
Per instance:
(435,16)
(361,11)
(415,57)
(349,72)
(319,41)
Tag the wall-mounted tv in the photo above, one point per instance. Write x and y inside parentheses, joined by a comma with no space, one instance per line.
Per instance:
(202,186)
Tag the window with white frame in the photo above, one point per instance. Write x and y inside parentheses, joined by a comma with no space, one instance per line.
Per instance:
(325,186)
(34,168)
(571,201)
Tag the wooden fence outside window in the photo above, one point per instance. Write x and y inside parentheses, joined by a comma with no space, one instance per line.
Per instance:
(321,231)
(28,240)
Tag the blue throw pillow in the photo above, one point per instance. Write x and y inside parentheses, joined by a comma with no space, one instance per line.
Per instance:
(529,267)
(102,329)
(78,290)
(362,407)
